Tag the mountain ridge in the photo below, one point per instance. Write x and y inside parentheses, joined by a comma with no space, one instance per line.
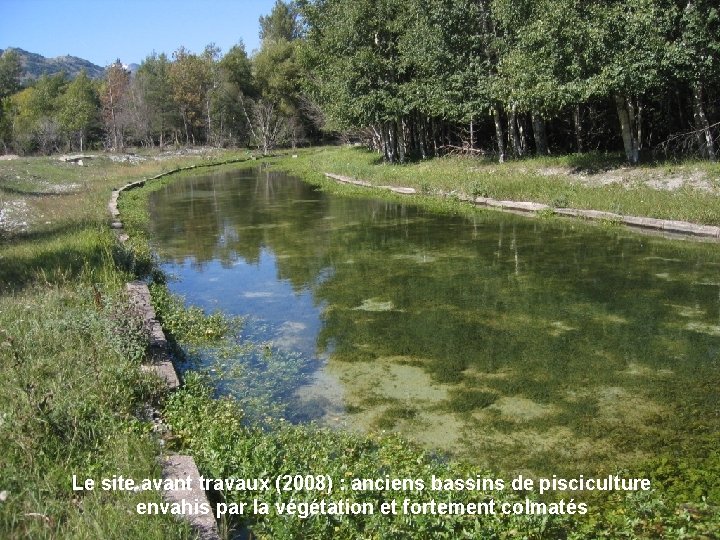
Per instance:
(35,65)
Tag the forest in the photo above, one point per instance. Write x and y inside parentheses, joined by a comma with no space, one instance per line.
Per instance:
(411,79)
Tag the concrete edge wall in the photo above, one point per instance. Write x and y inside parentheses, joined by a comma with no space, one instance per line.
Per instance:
(174,466)
(636,222)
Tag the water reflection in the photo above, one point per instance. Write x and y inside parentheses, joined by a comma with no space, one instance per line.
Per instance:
(525,344)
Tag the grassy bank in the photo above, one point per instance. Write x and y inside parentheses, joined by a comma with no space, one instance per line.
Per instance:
(686,191)
(72,393)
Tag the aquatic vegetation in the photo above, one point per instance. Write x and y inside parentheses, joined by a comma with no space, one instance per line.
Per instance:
(526,334)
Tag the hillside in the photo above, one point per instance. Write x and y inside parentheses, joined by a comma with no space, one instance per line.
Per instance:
(34,65)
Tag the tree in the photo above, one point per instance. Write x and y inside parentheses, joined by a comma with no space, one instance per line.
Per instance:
(693,58)
(355,52)
(156,116)
(10,72)
(541,69)
(447,54)
(630,39)
(267,125)
(114,99)
(276,112)
(34,111)
(78,109)
(275,81)
(191,80)
(280,24)
(236,85)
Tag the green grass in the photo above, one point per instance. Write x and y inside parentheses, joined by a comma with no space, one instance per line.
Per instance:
(212,430)
(557,181)
(71,394)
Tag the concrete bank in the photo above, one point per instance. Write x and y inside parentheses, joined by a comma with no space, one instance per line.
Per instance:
(174,466)
(661,225)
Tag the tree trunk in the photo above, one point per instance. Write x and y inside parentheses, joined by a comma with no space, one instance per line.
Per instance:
(185,125)
(402,150)
(422,128)
(390,142)
(627,121)
(707,145)
(639,124)
(208,137)
(499,132)
(115,132)
(513,132)
(678,102)
(472,135)
(522,131)
(540,134)
(384,142)
(413,130)
(577,121)
(377,140)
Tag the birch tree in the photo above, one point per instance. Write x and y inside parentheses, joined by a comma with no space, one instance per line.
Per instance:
(695,59)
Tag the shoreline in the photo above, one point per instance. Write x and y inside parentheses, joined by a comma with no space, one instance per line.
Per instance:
(677,228)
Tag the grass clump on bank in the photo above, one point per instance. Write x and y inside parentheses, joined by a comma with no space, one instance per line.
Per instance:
(187,324)
(72,398)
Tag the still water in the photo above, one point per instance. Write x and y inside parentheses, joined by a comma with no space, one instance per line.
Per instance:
(524,344)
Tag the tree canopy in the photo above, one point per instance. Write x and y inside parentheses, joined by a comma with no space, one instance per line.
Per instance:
(412,79)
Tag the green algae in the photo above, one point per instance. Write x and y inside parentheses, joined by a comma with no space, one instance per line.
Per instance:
(546,346)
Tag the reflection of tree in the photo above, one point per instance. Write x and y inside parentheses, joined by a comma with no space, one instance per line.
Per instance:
(213,218)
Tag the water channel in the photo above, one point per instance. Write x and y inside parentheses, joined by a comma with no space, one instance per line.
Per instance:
(536,345)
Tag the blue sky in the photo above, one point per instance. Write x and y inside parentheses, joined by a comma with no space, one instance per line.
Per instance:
(103,30)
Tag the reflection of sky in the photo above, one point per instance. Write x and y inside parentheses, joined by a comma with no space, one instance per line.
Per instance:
(251,289)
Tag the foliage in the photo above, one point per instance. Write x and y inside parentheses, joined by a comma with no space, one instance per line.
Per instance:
(78,113)
(281,23)
(213,432)
(33,112)
(158,116)
(188,325)
(226,449)
(10,71)
(411,77)
(417,79)
(190,82)
(113,96)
